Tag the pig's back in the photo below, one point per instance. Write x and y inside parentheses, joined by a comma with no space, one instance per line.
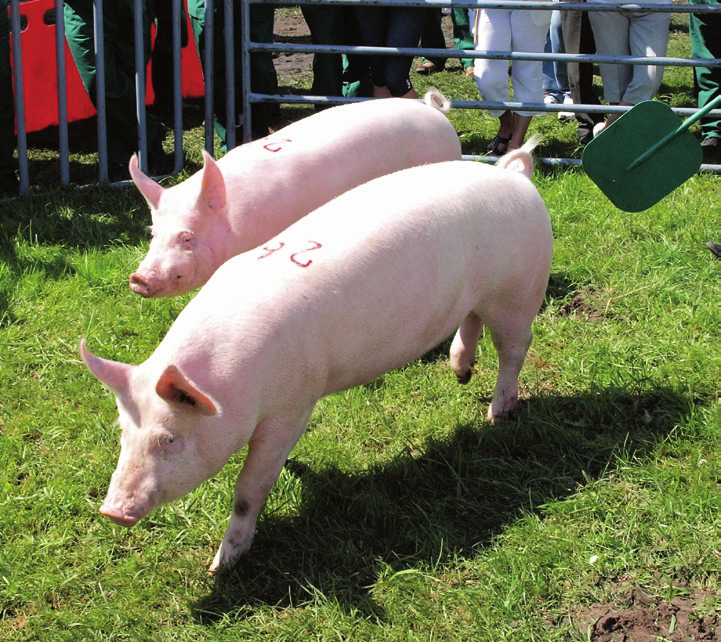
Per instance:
(383,273)
(299,168)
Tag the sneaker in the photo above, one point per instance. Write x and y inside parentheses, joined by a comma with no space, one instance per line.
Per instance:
(563,116)
(715,249)
(598,128)
(550,99)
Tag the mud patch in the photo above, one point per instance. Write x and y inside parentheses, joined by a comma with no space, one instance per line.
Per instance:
(642,618)
(582,307)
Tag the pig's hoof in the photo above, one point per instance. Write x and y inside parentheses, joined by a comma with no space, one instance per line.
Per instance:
(215,565)
(220,563)
(225,559)
(504,412)
(465,377)
(218,568)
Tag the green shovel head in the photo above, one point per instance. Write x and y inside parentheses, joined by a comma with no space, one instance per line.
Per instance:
(607,157)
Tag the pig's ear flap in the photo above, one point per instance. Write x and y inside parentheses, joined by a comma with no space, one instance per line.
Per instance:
(175,388)
(212,191)
(151,190)
(113,374)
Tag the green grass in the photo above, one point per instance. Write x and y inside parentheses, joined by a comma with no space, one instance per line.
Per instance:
(402,513)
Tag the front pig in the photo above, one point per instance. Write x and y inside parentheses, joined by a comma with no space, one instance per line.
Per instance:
(363,285)
(259,189)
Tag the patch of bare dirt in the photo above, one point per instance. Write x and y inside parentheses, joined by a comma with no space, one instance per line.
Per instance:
(290,27)
(642,618)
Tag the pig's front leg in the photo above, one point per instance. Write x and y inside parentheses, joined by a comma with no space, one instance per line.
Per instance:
(268,450)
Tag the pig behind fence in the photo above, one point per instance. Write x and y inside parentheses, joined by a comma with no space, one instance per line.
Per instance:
(259,189)
(362,285)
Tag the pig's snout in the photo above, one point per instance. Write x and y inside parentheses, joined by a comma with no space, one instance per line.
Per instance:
(118,517)
(139,285)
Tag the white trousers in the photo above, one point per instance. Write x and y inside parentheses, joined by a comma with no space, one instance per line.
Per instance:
(509,30)
(632,34)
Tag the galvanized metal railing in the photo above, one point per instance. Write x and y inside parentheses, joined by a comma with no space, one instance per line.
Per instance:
(140,74)
(249,97)
(540,5)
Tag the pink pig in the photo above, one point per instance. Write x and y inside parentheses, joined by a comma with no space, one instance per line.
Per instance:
(259,189)
(362,285)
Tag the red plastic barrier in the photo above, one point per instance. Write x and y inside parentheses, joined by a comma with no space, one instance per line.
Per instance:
(40,71)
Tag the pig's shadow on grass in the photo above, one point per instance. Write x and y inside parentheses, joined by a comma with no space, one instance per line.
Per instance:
(427,510)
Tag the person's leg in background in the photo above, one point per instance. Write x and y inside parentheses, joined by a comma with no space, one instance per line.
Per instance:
(8,179)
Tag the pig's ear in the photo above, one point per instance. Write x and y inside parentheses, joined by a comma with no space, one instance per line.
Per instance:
(113,374)
(146,185)
(212,191)
(175,388)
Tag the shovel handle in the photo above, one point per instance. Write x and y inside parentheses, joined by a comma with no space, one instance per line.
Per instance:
(670,136)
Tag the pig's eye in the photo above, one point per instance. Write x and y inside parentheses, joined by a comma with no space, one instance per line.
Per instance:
(186,240)
(170,445)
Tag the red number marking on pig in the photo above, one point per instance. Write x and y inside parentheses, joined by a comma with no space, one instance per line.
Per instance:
(271,250)
(276,145)
(316,246)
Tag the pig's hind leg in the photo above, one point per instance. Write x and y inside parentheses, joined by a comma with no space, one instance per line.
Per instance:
(268,450)
(512,339)
(463,348)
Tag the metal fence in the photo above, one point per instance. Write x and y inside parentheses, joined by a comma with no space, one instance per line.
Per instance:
(248,97)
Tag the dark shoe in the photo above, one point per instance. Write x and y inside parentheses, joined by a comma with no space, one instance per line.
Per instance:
(715,249)
(9,185)
(427,68)
(585,129)
(118,172)
(711,148)
(494,148)
(585,137)
(159,163)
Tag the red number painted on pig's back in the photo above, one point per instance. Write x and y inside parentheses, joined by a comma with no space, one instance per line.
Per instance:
(316,246)
(269,250)
(293,257)
(275,146)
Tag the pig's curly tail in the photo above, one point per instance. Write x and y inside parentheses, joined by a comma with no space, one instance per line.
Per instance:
(521,160)
(437,100)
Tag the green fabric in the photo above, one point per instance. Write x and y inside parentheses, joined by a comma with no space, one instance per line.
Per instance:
(356,69)
(264,78)
(118,27)
(433,38)
(705,32)
(7,107)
